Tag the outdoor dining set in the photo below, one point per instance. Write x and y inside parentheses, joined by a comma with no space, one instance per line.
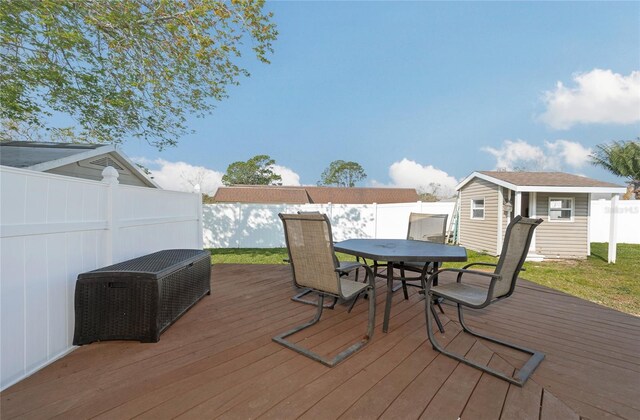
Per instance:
(415,261)
(140,298)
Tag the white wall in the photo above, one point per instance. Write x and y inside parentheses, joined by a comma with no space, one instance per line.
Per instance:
(231,225)
(54,227)
(628,214)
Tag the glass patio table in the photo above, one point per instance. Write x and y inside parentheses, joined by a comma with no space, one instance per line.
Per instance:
(395,251)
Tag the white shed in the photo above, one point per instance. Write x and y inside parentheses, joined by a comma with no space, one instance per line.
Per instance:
(489,200)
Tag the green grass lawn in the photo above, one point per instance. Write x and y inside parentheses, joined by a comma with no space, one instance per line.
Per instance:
(614,285)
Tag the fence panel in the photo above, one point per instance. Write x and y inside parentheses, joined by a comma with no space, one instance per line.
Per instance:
(54,227)
(235,225)
(231,225)
(628,214)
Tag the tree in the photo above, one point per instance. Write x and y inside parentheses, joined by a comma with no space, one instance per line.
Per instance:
(621,158)
(342,174)
(256,171)
(127,68)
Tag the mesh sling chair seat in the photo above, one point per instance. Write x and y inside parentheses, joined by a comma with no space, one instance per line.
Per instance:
(502,283)
(344,268)
(313,264)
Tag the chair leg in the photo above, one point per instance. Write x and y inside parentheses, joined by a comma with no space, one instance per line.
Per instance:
(521,376)
(299,298)
(353,303)
(280,338)
(404,285)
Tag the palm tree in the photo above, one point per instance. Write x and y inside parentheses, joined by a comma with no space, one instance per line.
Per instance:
(621,158)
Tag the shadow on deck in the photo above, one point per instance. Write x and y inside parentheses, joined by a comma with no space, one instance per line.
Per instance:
(219,361)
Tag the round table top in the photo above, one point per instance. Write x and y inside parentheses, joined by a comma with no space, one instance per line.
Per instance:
(396,250)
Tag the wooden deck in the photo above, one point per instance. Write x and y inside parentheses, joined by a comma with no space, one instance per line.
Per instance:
(218,361)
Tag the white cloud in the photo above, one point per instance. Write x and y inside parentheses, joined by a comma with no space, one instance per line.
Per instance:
(289,177)
(410,174)
(554,156)
(514,153)
(569,152)
(181,176)
(600,96)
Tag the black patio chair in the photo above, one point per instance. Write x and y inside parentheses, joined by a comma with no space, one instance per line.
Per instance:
(502,283)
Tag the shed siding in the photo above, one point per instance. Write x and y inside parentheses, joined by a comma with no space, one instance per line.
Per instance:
(84,169)
(479,235)
(563,239)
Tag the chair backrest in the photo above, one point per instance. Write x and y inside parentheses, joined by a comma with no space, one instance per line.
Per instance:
(427,227)
(310,246)
(514,251)
(335,257)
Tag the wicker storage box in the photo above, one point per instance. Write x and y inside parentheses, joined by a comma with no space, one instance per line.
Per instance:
(140,298)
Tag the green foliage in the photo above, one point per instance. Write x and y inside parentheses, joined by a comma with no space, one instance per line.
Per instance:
(428,197)
(342,174)
(126,68)
(621,158)
(255,171)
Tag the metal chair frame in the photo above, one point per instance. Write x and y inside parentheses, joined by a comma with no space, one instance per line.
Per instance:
(370,289)
(535,358)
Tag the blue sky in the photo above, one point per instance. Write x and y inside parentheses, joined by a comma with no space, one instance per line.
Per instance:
(424,92)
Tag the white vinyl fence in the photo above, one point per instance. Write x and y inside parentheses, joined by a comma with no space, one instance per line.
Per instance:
(235,225)
(54,227)
(628,223)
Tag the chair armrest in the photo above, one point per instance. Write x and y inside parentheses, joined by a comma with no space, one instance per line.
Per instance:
(487,264)
(349,269)
(494,277)
(480,263)
(368,270)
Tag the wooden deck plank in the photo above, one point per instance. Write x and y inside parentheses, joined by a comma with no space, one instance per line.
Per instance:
(450,400)
(523,403)
(219,361)
(487,399)
(412,401)
(553,408)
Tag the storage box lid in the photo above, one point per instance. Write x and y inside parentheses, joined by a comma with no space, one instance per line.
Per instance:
(156,265)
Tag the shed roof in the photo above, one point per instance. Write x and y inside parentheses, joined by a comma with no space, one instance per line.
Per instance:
(43,156)
(544,182)
(313,194)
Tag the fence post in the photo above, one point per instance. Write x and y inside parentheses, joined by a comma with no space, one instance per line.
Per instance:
(375,220)
(613,230)
(110,177)
(200,224)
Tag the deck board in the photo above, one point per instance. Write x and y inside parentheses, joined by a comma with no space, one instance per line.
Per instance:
(218,361)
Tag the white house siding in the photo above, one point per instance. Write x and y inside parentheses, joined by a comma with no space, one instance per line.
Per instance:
(562,239)
(479,235)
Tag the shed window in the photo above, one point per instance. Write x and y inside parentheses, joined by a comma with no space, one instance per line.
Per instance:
(560,209)
(477,208)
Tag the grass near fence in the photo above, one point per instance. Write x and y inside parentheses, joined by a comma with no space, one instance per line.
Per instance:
(614,285)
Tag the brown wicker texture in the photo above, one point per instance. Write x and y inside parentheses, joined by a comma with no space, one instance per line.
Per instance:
(140,298)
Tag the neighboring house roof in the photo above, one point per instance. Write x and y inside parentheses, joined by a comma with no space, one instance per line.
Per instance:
(544,182)
(311,194)
(38,156)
